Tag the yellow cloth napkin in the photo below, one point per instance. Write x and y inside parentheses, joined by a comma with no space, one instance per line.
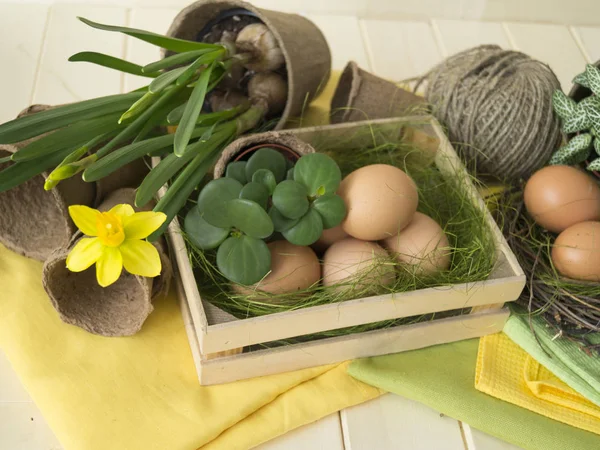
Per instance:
(142,392)
(505,371)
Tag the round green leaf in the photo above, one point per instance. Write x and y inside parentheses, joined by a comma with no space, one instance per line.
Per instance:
(317,170)
(280,222)
(307,231)
(332,209)
(256,192)
(265,177)
(237,171)
(244,259)
(267,158)
(248,217)
(201,233)
(290,174)
(213,198)
(291,199)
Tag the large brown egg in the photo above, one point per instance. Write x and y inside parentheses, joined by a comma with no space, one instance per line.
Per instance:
(576,252)
(293,268)
(560,196)
(422,245)
(380,200)
(328,238)
(354,261)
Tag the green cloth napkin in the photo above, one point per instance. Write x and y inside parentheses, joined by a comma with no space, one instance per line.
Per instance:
(443,377)
(562,357)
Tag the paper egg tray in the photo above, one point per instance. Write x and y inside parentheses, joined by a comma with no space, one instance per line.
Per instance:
(213,340)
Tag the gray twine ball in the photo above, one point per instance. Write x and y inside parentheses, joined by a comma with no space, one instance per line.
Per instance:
(497,107)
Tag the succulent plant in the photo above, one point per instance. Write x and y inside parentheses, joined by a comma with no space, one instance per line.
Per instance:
(582,118)
(231,212)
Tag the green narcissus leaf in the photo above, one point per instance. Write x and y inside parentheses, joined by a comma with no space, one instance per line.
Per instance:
(266,178)
(594,166)
(307,231)
(257,193)
(597,146)
(291,199)
(290,174)
(332,209)
(243,259)
(317,170)
(174,60)
(111,62)
(581,79)
(214,196)
(592,74)
(280,222)
(563,105)
(176,45)
(237,171)
(201,233)
(267,158)
(248,217)
(165,79)
(578,121)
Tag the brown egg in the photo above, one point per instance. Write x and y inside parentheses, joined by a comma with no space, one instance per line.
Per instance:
(293,268)
(560,196)
(328,238)
(380,199)
(422,244)
(351,260)
(576,252)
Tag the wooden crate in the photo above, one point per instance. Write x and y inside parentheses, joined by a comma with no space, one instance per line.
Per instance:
(212,339)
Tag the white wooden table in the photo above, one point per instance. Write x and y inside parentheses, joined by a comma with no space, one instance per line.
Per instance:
(394,39)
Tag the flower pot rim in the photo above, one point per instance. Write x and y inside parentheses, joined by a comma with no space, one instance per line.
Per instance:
(286,151)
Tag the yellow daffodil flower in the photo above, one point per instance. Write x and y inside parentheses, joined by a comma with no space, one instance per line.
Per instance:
(116,241)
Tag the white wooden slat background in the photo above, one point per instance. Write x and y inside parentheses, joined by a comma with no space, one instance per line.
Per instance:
(37,38)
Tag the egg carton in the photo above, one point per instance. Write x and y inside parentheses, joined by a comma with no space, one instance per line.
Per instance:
(227,349)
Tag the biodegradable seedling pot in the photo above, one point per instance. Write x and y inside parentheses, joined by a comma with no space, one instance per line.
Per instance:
(306,53)
(34,222)
(240,148)
(285,151)
(117,310)
(360,95)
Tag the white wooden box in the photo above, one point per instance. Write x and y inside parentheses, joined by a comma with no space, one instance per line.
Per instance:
(209,337)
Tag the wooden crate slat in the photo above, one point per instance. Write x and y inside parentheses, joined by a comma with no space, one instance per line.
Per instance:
(359,345)
(22,28)
(61,81)
(394,422)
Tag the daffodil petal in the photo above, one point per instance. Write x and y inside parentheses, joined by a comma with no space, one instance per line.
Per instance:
(141,258)
(122,210)
(109,266)
(85,253)
(84,218)
(143,224)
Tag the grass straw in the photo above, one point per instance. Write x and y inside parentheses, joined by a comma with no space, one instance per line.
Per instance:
(443,199)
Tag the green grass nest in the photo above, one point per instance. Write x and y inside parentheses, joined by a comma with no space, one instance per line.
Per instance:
(443,199)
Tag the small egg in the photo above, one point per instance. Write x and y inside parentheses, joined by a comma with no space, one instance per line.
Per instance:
(353,260)
(560,196)
(293,268)
(328,238)
(422,244)
(380,200)
(576,252)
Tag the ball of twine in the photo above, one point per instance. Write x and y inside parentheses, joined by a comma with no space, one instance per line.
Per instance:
(497,107)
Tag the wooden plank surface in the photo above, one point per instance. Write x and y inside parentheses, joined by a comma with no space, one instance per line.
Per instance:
(61,81)
(21,50)
(325,434)
(394,422)
(400,49)
(589,40)
(551,44)
(478,440)
(457,35)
